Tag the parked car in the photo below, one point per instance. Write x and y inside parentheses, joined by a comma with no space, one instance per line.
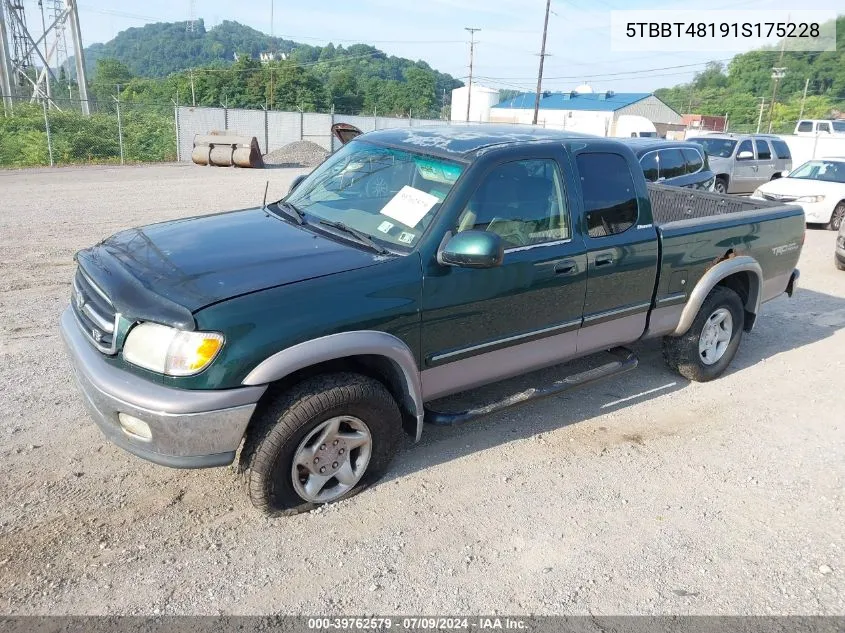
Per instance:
(839,254)
(310,332)
(820,127)
(676,163)
(742,162)
(818,186)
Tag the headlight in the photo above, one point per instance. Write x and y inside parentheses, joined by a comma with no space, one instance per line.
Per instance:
(167,350)
(810,199)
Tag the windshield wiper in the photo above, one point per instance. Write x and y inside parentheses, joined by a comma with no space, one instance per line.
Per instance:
(292,211)
(358,235)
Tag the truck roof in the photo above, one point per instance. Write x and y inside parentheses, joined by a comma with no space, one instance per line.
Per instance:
(461,141)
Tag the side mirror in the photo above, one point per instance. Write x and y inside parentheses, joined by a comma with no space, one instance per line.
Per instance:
(473,249)
(746,155)
(296,182)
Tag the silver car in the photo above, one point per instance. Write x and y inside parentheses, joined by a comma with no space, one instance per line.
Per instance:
(743,162)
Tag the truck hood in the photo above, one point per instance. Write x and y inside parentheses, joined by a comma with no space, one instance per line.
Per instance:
(195,262)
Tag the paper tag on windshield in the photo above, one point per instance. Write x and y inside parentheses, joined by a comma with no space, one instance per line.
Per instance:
(409,206)
(385,226)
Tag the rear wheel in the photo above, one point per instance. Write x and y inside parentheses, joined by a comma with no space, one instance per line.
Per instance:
(721,185)
(706,350)
(837,217)
(326,439)
(840,265)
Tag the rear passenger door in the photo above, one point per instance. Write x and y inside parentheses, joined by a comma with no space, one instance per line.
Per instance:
(696,177)
(765,161)
(621,252)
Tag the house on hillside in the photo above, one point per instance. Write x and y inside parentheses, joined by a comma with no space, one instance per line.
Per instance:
(583,110)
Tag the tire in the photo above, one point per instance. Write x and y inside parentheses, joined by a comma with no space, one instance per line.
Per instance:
(683,353)
(837,217)
(840,265)
(293,424)
(721,185)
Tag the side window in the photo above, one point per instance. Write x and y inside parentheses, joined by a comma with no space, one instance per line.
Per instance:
(693,159)
(781,149)
(824,127)
(805,126)
(745,146)
(610,200)
(672,163)
(523,202)
(763,151)
(649,165)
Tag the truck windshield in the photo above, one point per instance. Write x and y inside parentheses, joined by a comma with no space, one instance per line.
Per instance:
(720,147)
(826,170)
(388,194)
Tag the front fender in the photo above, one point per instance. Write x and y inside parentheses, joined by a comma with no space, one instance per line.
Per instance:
(346,345)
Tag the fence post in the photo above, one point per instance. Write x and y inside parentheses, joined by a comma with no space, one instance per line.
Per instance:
(119,128)
(178,132)
(225,117)
(301,124)
(47,129)
(266,131)
(375,120)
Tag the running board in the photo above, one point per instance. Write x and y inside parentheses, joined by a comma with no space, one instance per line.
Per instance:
(627,362)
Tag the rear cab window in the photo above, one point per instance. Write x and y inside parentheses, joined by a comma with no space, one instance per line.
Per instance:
(610,198)
(805,126)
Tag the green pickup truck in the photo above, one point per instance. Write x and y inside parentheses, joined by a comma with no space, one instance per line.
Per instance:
(312,332)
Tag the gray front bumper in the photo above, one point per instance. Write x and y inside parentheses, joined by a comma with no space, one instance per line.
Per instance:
(190,428)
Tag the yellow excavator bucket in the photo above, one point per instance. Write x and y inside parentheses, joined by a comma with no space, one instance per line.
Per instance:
(227,150)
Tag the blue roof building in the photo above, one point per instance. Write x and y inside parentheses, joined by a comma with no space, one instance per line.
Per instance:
(603,113)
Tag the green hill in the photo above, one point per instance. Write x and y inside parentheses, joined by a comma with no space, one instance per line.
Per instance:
(154,62)
(736,89)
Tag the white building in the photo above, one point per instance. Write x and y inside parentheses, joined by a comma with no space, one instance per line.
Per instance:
(589,112)
(483,99)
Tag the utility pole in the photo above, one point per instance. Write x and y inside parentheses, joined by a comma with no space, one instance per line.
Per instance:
(804,98)
(193,92)
(542,59)
(46,50)
(760,116)
(777,75)
(472,32)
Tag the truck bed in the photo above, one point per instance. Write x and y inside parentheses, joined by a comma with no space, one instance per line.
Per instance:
(674,204)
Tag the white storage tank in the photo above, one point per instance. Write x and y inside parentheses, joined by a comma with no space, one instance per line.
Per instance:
(483,99)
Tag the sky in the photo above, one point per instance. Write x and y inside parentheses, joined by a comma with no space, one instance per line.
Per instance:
(506,53)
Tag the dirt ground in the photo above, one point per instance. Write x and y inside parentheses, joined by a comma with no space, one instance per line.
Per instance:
(641,495)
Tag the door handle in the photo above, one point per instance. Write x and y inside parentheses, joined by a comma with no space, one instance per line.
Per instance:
(566,267)
(603,260)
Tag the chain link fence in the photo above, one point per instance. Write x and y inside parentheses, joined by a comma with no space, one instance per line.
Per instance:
(58,133)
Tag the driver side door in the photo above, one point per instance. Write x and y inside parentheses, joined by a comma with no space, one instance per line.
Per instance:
(482,325)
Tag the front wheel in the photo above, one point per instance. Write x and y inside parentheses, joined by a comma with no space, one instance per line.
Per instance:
(706,350)
(720,186)
(326,439)
(837,217)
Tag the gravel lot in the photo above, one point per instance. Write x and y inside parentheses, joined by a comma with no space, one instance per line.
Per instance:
(645,494)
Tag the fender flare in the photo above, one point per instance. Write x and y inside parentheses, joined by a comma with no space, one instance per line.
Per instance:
(723,270)
(344,345)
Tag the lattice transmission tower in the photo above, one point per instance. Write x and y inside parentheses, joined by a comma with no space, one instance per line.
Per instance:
(28,60)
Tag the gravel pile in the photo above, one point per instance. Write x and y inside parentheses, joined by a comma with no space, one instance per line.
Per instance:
(297,154)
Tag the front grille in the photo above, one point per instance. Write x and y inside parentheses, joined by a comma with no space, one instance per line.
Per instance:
(94,312)
(778,198)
